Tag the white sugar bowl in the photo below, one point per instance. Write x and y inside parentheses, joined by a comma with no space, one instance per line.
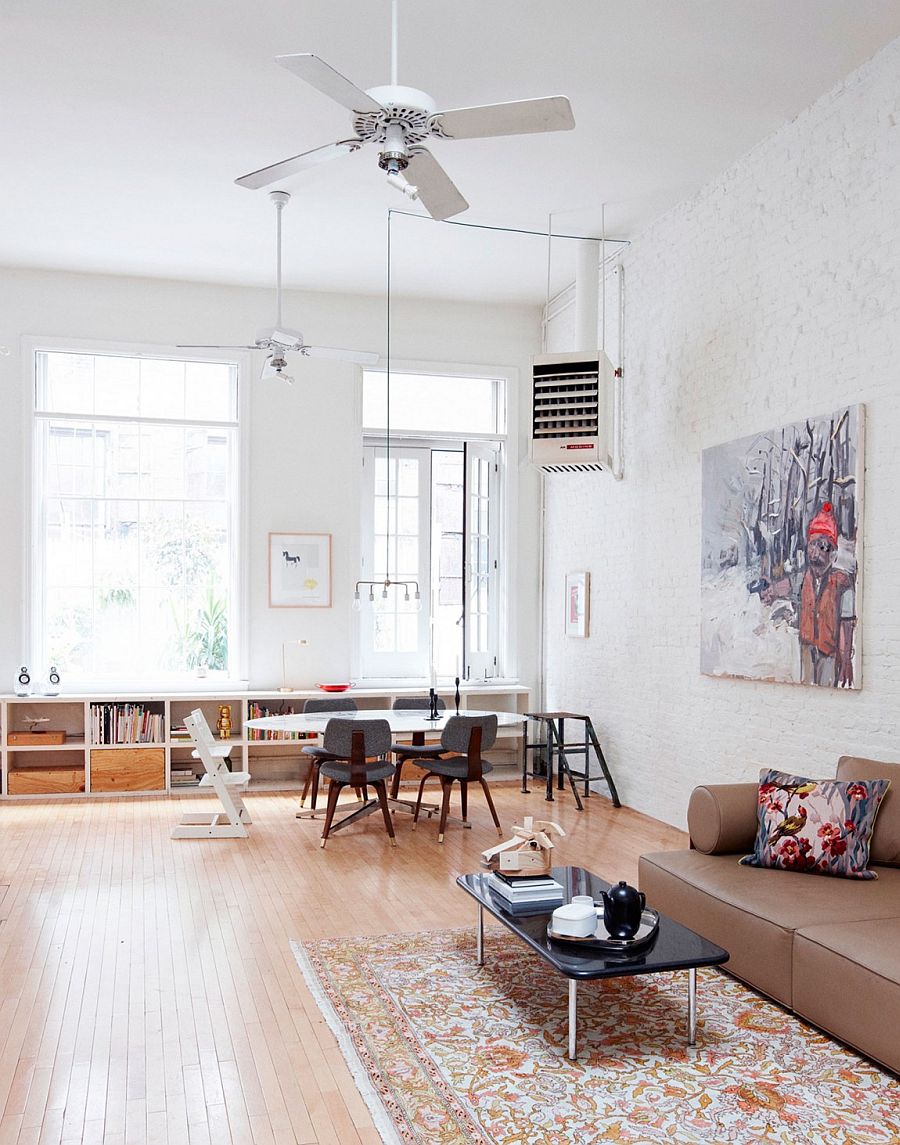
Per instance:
(575,919)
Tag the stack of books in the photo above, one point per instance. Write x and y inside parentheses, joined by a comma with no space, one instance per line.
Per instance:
(526,894)
(181,776)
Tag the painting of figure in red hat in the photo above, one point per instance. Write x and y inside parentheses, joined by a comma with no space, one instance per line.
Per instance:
(782,521)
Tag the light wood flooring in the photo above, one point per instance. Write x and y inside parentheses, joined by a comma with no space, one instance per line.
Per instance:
(148,992)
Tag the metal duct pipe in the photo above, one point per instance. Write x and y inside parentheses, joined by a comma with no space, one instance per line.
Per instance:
(587,295)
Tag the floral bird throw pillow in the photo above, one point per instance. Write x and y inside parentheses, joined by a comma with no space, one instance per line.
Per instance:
(822,826)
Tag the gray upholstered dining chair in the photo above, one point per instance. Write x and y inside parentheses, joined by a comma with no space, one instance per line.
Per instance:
(463,740)
(415,750)
(318,755)
(358,751)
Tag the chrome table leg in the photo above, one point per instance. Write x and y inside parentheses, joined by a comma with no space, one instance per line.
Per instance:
(573,1028)
(692,1006)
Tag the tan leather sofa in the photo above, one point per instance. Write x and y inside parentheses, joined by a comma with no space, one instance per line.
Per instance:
(827,948)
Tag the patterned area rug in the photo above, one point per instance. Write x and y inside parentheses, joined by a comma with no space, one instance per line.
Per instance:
(445,1052)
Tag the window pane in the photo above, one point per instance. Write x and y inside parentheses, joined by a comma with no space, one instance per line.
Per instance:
(408,516)
(65,382)
(210,391)
(408,477)
(116,386)
(162,389)
(432,403)
(407,562)
(162,455)
(70,628)
(407,631)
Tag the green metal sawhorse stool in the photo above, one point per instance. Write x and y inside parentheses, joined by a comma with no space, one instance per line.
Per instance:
(555,752)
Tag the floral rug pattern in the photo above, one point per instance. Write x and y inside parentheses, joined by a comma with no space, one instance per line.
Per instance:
(454,1053)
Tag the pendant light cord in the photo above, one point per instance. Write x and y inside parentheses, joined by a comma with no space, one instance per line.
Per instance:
(387,412)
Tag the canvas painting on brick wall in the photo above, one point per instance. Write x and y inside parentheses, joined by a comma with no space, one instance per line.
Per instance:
(782,529)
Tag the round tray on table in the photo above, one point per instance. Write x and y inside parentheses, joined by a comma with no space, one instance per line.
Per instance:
(602,940)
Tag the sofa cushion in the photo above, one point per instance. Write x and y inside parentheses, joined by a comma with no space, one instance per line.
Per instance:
(753,912)
(885,845)
(821,827)
(722,817)
(846,979)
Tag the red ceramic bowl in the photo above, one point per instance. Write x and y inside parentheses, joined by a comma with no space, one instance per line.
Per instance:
(333,687)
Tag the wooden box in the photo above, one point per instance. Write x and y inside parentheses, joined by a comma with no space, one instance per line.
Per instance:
(128,769)
(45,780)
(37,738)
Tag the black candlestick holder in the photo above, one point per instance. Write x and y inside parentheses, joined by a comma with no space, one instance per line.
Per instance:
(456,697)
(433,713)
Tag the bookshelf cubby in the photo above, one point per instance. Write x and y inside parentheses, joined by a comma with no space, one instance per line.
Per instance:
(135,743)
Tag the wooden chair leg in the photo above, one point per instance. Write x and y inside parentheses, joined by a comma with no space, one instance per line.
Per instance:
(334,790)
(490,803)
(306,783)
(395,781)
(447,787)
(464,799)
(314,794)
(381,792)
(427,775)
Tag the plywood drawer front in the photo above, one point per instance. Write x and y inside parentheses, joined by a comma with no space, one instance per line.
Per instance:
(45,780)
(128,769)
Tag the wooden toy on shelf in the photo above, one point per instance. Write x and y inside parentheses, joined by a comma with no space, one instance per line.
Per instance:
(223,724)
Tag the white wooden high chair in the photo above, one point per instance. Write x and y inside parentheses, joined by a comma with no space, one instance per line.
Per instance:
(232,822)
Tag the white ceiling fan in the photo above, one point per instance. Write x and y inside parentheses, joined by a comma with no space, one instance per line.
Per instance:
(280,339)
(398,119)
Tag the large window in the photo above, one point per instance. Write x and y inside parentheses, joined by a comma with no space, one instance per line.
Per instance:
(431,515)
(135,470)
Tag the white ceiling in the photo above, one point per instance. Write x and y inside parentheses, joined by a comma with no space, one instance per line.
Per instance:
(124,123)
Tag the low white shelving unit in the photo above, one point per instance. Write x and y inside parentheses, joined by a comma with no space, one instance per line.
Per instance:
(135,743)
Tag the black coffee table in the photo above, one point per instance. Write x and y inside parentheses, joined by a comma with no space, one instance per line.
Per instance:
(674,947)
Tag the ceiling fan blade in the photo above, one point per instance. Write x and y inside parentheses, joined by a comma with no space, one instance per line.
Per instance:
(296,163)
(436,190)
(364,357)
(182,346)
(521,117)
(325,79)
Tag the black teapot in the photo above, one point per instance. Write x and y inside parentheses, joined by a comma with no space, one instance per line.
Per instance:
(622,910)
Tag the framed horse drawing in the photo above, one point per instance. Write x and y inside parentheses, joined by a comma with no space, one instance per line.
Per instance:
(299,570)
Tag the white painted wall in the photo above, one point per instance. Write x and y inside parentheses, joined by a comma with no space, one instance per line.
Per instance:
(304,441)
(773,294)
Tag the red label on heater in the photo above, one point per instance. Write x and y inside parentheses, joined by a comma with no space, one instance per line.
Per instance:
(578,445)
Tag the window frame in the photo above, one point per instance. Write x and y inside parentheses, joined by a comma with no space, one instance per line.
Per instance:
(506,413)
(31,571)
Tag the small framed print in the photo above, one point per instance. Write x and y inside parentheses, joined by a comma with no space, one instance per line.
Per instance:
(299,570)
(578,597)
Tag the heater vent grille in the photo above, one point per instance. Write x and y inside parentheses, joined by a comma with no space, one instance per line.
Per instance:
(571,412)
(565,401)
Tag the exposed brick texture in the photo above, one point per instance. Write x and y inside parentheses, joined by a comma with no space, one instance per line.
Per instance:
(772,295)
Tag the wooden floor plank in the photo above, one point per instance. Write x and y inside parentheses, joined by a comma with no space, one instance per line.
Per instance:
(148,992)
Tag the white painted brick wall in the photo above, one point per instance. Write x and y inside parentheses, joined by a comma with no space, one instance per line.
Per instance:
(772,295)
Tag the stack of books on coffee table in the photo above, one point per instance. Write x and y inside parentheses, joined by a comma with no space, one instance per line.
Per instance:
(528,894)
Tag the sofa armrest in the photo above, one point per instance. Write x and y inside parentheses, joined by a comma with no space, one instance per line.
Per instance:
(722,818)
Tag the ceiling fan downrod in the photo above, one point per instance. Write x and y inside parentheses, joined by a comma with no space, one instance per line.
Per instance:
(281,200)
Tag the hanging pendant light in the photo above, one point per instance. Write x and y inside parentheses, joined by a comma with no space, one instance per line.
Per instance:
(385,585)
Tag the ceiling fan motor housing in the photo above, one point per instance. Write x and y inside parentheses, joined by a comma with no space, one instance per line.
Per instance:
(278,338)
(406,107)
